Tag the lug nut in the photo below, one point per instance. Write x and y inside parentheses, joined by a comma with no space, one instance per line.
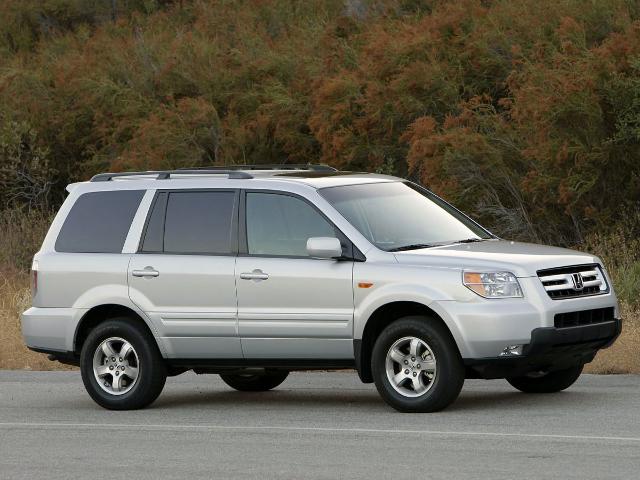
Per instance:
(413,359)
(406,362)
(407,371)
(111,367)
(418,366)
(117,373)
(414,374)
(120,359)
(122,367)
(113,359)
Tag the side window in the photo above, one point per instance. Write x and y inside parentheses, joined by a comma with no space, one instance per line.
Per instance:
(191,222)
(281,224)
(99,222)
(154,234)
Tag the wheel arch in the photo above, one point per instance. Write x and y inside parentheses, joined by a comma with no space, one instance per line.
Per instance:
(383,316)
(101,313)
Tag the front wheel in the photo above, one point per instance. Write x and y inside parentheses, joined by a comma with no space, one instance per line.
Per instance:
(548,383)
(416,365)
(255,382)
(121,366)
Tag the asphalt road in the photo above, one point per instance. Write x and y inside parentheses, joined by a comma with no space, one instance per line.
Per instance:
(322,425)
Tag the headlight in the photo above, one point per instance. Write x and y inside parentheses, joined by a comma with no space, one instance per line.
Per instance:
(492,284)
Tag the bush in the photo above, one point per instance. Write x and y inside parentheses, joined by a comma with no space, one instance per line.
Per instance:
(25,175)
(524,114)
(620,251)
(628,285)
(23,231)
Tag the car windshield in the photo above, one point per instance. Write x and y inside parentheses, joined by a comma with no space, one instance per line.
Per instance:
(398,216)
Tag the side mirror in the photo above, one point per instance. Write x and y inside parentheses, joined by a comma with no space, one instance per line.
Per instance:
(324,247)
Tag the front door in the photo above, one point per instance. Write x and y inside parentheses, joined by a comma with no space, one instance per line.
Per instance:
(291,306)
(183,276)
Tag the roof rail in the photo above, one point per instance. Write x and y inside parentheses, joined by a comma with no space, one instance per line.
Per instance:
(269,166)
(166,174)
(233,171)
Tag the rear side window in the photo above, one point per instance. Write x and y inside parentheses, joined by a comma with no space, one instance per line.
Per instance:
(99,222)
(191,222)
(154,235)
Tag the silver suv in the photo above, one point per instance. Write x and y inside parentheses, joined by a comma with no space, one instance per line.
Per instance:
(251,272)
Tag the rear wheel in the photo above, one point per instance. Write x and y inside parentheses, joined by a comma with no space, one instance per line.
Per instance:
(548,383)
(416,365)
(121,366)
(255,382)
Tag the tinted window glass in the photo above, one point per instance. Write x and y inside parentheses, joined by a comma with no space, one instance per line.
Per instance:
(281,225)
(99,222)
(198,222)
(154,234)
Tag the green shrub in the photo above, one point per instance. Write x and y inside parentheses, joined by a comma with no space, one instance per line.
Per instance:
(619,249)
(22,232)
(25,175)
(628,284)
(522,113)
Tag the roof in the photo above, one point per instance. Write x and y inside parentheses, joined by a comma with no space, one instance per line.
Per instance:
(244,176)
(335,179)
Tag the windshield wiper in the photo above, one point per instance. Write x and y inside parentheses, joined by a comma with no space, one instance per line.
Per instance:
(470,240)
(414,246)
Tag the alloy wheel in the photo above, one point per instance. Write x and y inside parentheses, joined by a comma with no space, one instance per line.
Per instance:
(411,366)
(116,366)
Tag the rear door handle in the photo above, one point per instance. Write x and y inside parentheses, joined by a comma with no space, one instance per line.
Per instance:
(147,272)
(255,275)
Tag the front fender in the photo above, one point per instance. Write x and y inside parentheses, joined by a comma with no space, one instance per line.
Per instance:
(395,283)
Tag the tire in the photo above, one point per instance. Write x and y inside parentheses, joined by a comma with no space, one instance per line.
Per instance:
(142,370)
(550,383)
(439,377)
(255,382)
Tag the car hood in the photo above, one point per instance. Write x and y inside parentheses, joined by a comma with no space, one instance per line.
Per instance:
(523,259)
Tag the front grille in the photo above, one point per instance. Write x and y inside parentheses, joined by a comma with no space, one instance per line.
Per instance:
(574,281)
(584,317)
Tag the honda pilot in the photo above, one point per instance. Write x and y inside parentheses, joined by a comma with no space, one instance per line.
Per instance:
(252,272)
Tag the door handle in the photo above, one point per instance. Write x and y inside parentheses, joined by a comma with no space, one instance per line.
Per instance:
(147,272)
(255,275)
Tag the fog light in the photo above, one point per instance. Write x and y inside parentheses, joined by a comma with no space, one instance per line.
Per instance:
(512,350)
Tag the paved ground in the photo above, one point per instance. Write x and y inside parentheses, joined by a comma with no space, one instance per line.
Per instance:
(318,425)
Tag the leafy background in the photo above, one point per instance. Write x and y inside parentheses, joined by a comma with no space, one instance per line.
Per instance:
(523,113)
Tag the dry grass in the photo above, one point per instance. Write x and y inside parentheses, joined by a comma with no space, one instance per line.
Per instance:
(15,297)
(21,233)
(624,355)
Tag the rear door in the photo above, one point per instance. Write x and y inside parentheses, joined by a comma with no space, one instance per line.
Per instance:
(86,263)
(183,275)
(290,306)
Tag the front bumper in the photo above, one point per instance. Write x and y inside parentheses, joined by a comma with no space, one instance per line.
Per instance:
(483,328)
(549,349)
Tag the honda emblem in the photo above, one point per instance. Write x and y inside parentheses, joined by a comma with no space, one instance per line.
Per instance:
(578,284)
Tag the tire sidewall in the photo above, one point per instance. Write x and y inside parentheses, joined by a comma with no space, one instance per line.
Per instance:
(449,372)
(149,366)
